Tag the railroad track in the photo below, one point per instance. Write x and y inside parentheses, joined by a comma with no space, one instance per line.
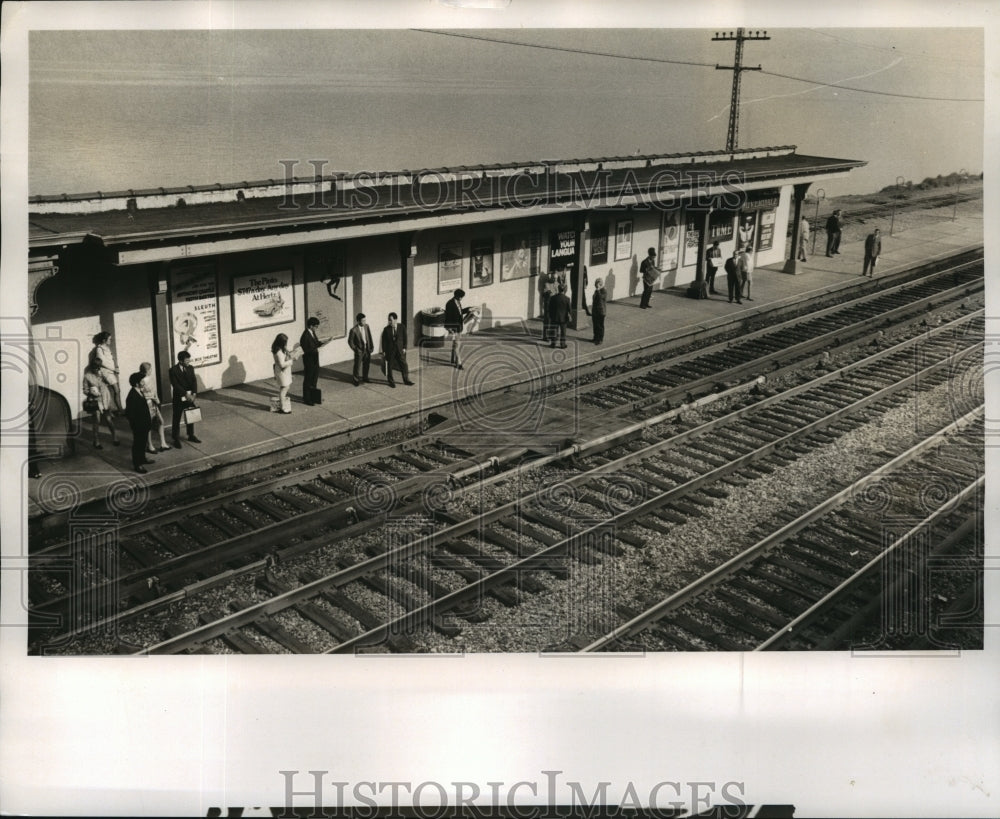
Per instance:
(802,586)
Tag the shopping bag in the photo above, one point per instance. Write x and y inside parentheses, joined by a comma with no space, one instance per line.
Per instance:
(192,415)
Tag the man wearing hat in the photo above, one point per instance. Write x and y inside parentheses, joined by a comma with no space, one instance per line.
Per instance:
(360,341)
(650,273)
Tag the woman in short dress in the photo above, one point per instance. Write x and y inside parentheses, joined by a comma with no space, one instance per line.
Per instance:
(283,371)
(97,401)
(147,390)
(101,355)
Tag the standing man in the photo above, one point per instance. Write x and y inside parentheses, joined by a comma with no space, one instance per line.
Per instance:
(393,350)
(873,247)
(454,319)
(140,420)
(744,263)
(713,258)
(184,386)
(310,343)
(803,239)
(598,310)
(559,310)
(360,341)
(833,228)
(733,277)
(650,273)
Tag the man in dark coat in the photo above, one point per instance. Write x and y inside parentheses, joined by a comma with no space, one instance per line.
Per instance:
(873,247)
(834,225)
(713,258)
(598,310)
(139,419)
(650,273)
(559,312)
(310,343)
(184,387)
(360,342)
(393,349)
(454,320)
(733,281)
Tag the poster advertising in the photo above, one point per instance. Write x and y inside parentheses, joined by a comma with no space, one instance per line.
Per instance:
(450,267)
(519,255)
(194,314)
(263,299)
(747,229)
(720,226)
(670,240)
(325,275)
(765,237)
(562,249)
(692,237)
(481,262)
(599,244)
(623,241)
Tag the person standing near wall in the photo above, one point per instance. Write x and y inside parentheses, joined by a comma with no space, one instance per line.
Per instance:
(454,323)
(834,225)
(283,359)
(873,247)
(184,385)
(598,310)
(360,342)
(803,239)
(96,401)
(745,266)
(713,258)
(733,283)
(392,346)
(650,273)
(147,387)
(559,312)
(102,355)
(137,412)
(310,343)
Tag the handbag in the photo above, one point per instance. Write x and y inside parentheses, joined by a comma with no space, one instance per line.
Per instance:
(91,404)
(192,415)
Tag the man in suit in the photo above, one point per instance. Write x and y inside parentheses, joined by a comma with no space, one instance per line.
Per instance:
(393,350)
(713,258)
(454,319)
(598,310)
(650,273)
(360,341)
(733,282)
(310,343)
(834,227)
(559,312)
(873,247)
(184,386)
(139,419)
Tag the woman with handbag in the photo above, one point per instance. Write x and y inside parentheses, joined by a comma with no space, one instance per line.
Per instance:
(148,391)
(96,401)
(105,360)
(283,372)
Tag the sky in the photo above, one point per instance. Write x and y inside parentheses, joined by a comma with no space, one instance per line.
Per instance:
(113,110)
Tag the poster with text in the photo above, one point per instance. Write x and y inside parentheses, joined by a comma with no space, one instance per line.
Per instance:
(450,267)
(325,275)
(765,237)
(623,241)
(692,237)
(263,299)
(670,240)
(194,314)
(599,244)
(481,262)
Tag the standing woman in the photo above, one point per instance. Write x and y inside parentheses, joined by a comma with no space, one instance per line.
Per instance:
(96,400)
(598,310)
(105,360)
(283,371)
(148,391)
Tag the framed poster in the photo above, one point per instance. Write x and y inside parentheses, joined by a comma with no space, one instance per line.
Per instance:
(263,299)
(599,244)
(481,263)
(194,314)
(670,240)
(450,267)
(325,274)
(692,236)
(765,236)
(623,241)
(519,255)
(720,226)
(747,229)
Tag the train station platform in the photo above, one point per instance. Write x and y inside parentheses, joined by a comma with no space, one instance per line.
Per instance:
(238,426)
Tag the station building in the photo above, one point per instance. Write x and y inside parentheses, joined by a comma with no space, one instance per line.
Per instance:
(220,269)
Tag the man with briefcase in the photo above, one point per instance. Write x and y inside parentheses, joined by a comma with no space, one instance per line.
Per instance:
(310,343)
(185,389)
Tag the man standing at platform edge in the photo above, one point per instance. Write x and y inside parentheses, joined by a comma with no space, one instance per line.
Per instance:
(393,350)
(184,386)
(310,343)
(733,282)
(650,273)
(141,422)
(873,247)
(834,225)
(361,344)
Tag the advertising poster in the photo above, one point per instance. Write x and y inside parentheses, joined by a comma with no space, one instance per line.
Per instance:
(623,241)
(194,314)
(262,299)
(481,262)
(670,240)
(325,273)
(599,244)
(720,226)
(765,238)
(747,229)
(692,236)
(450,267)
(519,257)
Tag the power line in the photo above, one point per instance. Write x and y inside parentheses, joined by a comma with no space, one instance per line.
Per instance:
(587,52)
(737,68)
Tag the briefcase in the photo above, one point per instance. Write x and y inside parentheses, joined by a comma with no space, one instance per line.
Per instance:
(316,395)
(192,415)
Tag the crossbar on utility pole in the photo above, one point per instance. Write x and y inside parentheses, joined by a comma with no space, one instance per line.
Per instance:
(737,68)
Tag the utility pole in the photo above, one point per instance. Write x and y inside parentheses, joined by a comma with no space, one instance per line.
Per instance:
(737,68)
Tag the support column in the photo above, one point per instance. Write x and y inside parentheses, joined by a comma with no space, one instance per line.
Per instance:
(158,285)
(698,288)
(407,309)
(792,264)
